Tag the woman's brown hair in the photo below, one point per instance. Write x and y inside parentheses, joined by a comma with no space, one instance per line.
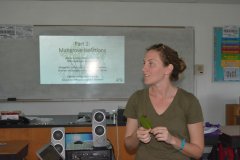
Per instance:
(170,56)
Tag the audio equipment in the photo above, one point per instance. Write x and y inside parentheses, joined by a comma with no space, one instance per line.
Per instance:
(102,154)
(99,128)
(58,139)
(121,119)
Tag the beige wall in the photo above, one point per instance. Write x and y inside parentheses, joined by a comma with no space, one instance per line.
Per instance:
(203,17)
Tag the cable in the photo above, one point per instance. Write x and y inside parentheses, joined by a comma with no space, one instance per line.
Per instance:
(117,136)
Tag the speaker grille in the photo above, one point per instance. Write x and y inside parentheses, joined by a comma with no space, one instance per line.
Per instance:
(58,135)
(99,116)
(59,147)
(100,130)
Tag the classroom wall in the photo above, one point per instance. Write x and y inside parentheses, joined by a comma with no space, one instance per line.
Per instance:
(203,17)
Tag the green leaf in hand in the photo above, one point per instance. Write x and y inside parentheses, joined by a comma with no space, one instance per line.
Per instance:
(145,122)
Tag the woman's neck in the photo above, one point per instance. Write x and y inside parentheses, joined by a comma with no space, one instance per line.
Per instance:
(166,91)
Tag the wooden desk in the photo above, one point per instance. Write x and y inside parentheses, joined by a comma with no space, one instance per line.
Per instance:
(13,150)
(231,137)
(37,137)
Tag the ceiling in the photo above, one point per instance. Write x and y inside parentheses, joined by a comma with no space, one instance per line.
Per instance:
(160,1)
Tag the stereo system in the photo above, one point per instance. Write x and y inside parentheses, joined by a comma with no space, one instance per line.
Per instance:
(99,128)
(58,139)
(100,144)
(103,154)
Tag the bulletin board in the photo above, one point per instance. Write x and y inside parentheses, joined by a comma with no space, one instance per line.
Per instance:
(227,54)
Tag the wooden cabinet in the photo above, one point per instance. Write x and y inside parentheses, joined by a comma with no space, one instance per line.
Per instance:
(37,137)
(232,114)
(16,150)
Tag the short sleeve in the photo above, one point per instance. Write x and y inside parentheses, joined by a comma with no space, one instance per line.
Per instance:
(194,111)
(130,110)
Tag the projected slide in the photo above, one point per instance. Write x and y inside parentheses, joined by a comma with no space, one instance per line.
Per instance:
(81,59)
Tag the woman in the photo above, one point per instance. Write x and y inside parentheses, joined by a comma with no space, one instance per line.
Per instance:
(175,114)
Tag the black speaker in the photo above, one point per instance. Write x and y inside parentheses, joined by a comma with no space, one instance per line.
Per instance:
(58,139)
(121,119)
(99,128)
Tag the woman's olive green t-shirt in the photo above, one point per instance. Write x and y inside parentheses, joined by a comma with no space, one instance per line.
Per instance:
(185,109)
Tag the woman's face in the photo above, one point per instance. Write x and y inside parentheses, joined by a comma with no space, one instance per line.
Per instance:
(153,69)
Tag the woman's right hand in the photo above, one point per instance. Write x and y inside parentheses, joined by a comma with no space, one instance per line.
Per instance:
(144,135)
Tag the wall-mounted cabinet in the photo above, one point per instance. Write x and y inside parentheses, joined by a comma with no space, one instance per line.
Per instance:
(232,114)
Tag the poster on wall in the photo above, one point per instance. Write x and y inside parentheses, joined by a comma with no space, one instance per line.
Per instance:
(10,31)
(227,54)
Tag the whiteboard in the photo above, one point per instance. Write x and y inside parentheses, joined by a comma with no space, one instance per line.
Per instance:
(19,62)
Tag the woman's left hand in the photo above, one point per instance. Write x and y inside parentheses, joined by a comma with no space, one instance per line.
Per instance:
(162,134)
